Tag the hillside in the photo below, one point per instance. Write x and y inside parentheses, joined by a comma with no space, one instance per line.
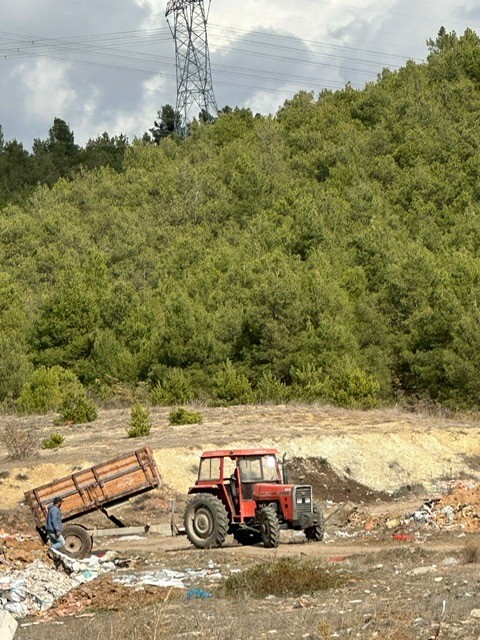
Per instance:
(383,450)
(328,253)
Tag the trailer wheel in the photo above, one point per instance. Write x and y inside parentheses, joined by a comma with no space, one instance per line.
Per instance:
(78,542)
(269,527)
(206,521)
(315,534)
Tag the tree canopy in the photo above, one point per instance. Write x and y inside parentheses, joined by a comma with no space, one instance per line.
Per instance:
(330,252)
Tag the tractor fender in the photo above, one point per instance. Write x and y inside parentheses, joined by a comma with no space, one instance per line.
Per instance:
(218,491)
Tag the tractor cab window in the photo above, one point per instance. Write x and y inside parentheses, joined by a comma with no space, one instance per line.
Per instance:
(258,469)
(228,468)
(209,469)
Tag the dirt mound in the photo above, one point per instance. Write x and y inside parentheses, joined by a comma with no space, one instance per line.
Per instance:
(460,508)
(16,551)
(17,521)
(109,596)
(328,485)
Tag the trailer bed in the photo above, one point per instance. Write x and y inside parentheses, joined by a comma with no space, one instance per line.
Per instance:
(98,487)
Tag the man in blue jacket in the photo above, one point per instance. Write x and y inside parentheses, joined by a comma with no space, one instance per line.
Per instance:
(54,524)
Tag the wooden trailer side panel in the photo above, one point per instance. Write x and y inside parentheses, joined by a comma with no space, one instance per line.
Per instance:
(97,487)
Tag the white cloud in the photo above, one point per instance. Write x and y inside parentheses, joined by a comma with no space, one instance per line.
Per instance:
(47,88)
(118,83)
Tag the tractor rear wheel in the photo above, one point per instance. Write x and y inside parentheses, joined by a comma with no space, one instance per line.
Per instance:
(246,537)
(316,533)
(206,521)
(269,527)
(78,542)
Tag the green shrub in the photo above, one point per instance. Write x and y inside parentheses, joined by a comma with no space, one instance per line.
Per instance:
(76,406)
(284,578)
(308,383)
(271,389)
(44,389)
(347,386)
(351,387)
(140,423)
(182,416)
(174,388)
(53,442)
(230,386)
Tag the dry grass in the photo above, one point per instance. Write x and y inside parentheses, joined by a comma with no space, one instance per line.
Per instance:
(19,440)
(147,624)
(471,551)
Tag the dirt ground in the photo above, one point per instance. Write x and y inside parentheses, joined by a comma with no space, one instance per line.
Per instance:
(405,580)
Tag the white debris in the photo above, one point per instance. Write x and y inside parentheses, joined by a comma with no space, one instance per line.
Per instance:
(345,534)
(8,625)
(450,561)
(168,578)
(421,571)
(35,588)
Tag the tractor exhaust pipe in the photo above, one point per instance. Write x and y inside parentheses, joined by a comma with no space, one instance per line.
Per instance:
(284,469)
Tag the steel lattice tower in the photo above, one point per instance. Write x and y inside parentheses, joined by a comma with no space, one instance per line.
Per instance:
(194,76)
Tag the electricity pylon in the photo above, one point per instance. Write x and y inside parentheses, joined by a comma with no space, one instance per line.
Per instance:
(194,76)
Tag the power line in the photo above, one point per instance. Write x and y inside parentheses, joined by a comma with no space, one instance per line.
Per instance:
(229,71)
(153,36)
(397,14)
(313,43)
(104,45)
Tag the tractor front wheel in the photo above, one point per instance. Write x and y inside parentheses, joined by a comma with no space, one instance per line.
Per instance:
(316,533)
(206,521)
(269,527)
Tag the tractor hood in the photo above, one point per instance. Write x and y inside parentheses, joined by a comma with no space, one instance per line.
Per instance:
(267,491)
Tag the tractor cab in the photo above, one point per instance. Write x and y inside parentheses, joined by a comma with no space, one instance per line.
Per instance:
(243,492)
(236,473)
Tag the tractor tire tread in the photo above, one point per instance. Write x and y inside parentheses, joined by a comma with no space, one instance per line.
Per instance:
(269,527)
(219,517)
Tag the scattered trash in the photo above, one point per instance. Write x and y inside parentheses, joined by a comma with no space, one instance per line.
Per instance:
(198,593)
(421,571)
(450,561)
(403,537)
(168,578)
(8,625)
(345,534)
(337,558)
(393,524)
(35,588)
(373,522)
(459,508)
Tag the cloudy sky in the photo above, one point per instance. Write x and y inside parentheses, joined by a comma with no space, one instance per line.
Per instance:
(109,65)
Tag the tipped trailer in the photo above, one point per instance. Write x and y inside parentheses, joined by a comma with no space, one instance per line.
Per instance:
(97,488)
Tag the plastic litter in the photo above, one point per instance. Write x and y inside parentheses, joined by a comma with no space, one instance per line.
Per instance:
(35,588)
(169,578)
(198,593)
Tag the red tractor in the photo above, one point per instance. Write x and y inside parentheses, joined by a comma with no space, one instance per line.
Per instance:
(242,492)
